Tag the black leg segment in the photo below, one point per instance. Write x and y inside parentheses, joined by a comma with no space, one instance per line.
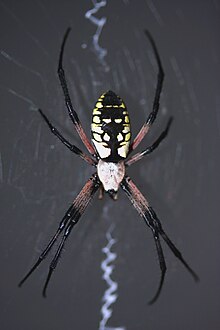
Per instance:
(151,219)
(72,113)
(73,148)
(156,103)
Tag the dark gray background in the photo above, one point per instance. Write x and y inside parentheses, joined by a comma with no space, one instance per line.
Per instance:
(40,177)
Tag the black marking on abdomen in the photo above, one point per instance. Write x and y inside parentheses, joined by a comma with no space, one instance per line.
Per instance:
(111,127)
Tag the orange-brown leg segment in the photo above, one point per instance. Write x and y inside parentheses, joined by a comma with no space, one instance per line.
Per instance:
(148,150)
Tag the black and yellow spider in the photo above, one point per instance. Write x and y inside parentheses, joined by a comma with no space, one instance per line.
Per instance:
(109,153)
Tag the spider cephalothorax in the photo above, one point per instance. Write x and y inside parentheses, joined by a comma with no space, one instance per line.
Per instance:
(111,136)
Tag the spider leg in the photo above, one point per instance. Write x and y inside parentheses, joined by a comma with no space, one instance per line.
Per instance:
(148,150)
(54,262)
(101,192)
(73,148)
(70,218)
(150,217)
(72,113)
(152,116)
(173,248)
(162,263)
(50,244)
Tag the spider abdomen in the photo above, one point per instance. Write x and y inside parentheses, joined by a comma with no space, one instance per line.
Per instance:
(111,133)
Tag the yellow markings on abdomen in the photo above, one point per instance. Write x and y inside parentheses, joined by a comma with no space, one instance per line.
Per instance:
(96,129)
(106,137)
(118,120)
(120,137)
(99,105)
(107,120)
(96,111)
(96,119)
(128,137)
(102,148)
(110,127)
(123,150)
(97,137)
(126,129)
(127,119)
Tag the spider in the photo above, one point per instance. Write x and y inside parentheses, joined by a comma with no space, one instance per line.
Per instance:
(108,153)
